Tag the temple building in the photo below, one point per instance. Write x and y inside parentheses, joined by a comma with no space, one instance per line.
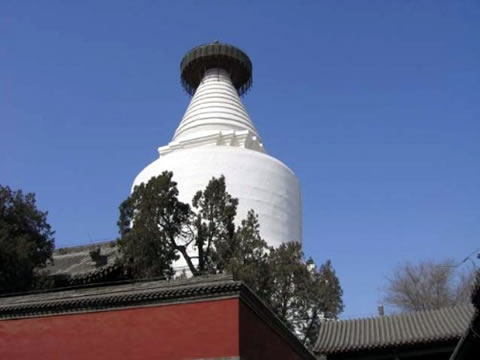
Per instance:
(216,136)
(201,318)
(93,312)
(418,335)
(448,333)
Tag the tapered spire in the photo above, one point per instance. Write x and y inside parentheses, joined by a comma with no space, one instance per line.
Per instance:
(216,75)
(215,106)
(216,137)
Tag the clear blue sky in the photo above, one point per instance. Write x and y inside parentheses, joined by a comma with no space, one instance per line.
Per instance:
(374,104)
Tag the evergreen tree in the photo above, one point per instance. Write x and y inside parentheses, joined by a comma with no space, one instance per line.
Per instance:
(302,294)
(320,300)
(157,228)
(245,256)
(152,220)
(213,214)
(26,240)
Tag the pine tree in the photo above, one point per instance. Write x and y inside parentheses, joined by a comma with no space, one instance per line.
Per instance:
(157,229)
(26,240)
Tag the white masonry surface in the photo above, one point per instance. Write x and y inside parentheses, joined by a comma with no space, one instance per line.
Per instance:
(215,137)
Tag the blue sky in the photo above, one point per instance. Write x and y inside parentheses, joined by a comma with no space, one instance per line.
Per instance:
(374,105)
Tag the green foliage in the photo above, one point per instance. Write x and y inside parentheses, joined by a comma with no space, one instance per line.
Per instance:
(321,297)
(213,214)
(245,256)
(151,220)
(300,293)
(26,240)
(288,276)
(157,229)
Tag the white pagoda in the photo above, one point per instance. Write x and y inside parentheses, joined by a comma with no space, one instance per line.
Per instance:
(217,137)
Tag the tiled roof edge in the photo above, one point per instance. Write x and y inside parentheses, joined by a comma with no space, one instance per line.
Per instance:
(382,347)
(97,302)
(184,291)
(78,248)
(324,347)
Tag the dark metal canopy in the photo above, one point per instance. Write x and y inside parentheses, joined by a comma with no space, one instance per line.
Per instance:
(216,55)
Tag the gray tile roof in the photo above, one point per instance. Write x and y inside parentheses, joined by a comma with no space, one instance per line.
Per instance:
(77,261)
(115,295)
(132,294)
(382,332)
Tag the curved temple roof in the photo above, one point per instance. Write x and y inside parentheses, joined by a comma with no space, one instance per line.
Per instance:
(380,332)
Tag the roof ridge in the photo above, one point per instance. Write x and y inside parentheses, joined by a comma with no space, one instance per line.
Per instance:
(112,285)
(409,313)
(376,332)
(75,248)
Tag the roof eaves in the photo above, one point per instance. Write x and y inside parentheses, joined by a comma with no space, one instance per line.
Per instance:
(393,331)
(96,298)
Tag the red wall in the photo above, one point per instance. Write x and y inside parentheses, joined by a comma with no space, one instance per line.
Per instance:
(182,331)
(259,341)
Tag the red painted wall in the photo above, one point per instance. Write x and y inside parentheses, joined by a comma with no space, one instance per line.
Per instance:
(182,331)
(259,341)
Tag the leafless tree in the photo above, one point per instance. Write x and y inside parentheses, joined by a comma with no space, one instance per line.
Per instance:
(427,285)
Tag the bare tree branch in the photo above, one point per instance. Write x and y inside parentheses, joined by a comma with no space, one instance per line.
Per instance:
(427,285)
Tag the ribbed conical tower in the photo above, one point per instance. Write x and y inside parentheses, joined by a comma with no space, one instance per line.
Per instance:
(216,75)
(214,108)
(215,115)
(217,137)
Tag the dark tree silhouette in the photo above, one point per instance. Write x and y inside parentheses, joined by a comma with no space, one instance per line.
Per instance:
(26,240)
(157,229)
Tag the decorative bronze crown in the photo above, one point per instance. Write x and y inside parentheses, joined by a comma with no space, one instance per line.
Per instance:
(216,55)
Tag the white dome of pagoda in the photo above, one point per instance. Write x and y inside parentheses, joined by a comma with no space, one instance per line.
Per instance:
(217,137)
